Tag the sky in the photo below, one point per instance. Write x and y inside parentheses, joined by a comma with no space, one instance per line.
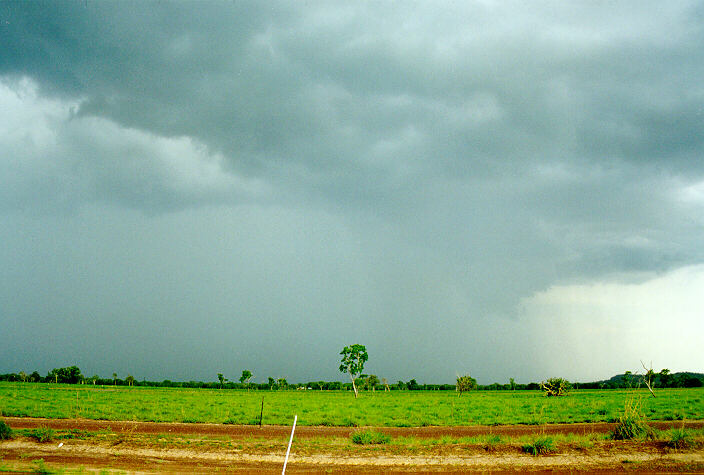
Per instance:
(505,189)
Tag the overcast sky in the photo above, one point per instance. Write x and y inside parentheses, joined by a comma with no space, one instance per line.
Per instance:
(506,189)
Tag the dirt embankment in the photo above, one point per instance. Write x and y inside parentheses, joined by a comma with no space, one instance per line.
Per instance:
(148,447)
(302,432)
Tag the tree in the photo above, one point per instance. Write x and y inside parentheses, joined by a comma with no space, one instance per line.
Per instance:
(372,381)
(246,377)
(68,375)
(352,363)
(648,377)
(129,380)
(555,387)
(665,378)
(282,383)
(689,381)
(114,379)
(627,376)
(222,380)
(465,383)
(272,382)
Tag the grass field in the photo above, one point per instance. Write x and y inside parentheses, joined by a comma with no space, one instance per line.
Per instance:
(339,408)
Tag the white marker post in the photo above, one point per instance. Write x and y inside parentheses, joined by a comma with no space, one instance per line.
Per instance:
(295,418)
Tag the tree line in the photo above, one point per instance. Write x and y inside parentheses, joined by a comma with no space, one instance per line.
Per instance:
(352,362)
(364,382)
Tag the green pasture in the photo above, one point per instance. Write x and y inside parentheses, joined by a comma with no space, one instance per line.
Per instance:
(340,408)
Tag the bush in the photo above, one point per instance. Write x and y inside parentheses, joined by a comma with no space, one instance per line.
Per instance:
(367,437)
(555,387)
(5,431)
(539,446)
(632,424)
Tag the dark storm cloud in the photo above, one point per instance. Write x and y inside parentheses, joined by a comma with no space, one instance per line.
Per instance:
(322,89)
(424,167)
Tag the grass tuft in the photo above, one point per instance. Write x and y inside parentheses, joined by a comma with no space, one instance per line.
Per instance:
(680,439)
(632,424)
(368,437)
(491,442)
(539,446)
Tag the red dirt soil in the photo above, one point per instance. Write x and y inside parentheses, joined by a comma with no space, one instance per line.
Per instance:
(131,455)
(242,431)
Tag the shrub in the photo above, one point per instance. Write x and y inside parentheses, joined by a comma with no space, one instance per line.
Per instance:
(41,468)
(42,434)
(5,431)
(367,437)
(555,387)
(632,424)
(540,446)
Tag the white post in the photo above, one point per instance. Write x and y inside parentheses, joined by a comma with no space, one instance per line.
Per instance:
(295,418)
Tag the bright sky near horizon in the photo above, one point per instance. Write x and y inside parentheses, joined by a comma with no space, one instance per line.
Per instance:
(506,189)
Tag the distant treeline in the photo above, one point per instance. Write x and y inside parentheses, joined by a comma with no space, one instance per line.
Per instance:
(72,375)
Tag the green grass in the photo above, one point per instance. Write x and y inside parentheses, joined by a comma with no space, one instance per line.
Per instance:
(340,408)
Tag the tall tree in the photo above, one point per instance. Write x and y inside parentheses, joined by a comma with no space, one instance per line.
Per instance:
(353,359)
(465,383)
(372,381)
(246,377)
